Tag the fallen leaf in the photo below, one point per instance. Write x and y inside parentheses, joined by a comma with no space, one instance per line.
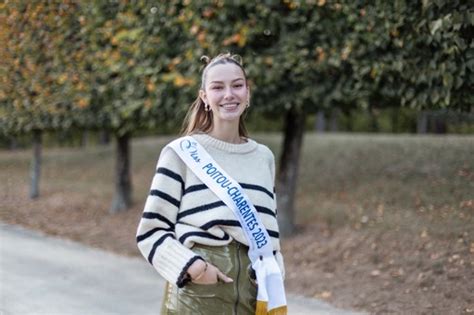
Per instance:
(323,295)
(375,273)
(424,234)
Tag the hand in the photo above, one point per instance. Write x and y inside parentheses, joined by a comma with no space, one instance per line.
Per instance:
(210,274)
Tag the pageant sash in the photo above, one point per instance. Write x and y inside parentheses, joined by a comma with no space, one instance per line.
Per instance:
(271,293)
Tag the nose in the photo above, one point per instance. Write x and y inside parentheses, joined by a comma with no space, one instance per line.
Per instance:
(228,94)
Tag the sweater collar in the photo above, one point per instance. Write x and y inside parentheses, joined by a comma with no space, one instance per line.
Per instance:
(210,142)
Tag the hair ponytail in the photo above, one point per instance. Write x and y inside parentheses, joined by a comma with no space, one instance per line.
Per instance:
(197,119)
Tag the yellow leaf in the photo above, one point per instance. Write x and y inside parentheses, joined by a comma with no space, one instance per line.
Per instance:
(373,73)
(268,61)
(168,77)
(194,29)
(202,39)
(150,87)
(62,78)
(321,55)
(243,36)
(180,81)
(148,104)
(83,102)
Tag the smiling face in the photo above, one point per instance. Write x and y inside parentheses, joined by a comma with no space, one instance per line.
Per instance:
(226,91)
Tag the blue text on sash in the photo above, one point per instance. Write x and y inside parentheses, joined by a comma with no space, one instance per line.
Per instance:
(242,205)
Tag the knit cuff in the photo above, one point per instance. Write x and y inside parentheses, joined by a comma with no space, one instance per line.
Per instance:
(183,277)
(172,260)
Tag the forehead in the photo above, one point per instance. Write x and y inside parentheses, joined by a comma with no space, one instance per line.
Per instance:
(224,72)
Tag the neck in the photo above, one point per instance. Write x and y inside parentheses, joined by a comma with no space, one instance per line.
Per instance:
(226,131)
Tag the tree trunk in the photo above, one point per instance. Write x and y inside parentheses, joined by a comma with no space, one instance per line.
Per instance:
(333,125)
(13,143)
(422,123)
(373,123)
(84,138)
(440,124)
(320,122)
(104,137)
(350,123)
(394,115)
(35,168)
(288,170)
(123,184)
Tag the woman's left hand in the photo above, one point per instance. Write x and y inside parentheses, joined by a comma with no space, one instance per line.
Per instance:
(208,274)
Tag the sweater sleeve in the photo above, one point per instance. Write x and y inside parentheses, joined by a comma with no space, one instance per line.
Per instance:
(156,238)
(278,255)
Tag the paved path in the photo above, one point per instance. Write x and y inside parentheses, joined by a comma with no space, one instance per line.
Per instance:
(44,275)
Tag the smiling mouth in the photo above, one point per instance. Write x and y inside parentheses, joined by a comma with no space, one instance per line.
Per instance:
(229,105)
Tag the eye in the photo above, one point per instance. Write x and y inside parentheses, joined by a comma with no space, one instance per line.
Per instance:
(216,87)
(239,85)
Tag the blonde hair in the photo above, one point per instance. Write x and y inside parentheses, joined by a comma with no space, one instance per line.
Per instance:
(197,118)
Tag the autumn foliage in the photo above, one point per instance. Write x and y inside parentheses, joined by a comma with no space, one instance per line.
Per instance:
(129,65)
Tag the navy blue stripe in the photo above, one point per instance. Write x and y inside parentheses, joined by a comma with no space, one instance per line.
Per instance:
(205,207)
(257,187)
(216,204)
(173,175)
(155,246)
(154,215)
(261,209)
(220,222)
(273,233)
(203,234)
(165,196)
(151,232)
(194,188)
(244,186)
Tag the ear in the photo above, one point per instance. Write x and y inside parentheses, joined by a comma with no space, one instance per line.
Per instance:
(203,96)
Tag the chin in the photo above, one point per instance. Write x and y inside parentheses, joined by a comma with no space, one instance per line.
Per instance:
(229,118)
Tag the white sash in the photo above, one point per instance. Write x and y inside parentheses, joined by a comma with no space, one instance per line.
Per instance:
(271,292)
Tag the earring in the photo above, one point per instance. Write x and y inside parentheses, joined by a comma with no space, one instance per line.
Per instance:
(248,104)
(207,108)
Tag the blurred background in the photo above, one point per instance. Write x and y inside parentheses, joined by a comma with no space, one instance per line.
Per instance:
(367,106)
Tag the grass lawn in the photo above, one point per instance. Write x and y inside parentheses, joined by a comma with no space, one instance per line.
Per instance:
(386,222)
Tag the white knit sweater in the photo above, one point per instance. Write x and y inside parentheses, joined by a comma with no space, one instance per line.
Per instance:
(180,210)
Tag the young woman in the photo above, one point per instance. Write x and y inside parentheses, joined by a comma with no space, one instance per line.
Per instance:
(186,232)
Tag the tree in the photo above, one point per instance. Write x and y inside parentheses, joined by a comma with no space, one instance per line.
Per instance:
(40,90)
(132,56)
(438,64)
(124,66)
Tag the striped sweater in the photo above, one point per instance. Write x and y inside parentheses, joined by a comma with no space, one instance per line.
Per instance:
(180,210)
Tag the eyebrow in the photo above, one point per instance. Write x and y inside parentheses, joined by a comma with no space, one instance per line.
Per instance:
(223,81)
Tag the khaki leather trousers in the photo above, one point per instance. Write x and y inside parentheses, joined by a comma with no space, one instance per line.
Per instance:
(238,297)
